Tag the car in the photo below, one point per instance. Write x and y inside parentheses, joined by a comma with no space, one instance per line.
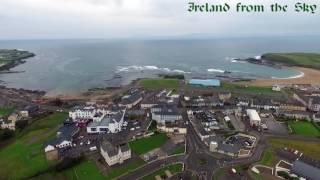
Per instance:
(131,129)
(93,148)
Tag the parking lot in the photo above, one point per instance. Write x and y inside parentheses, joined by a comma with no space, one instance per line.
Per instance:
(274,127)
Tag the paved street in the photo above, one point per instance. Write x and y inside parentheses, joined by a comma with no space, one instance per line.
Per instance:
(153,166)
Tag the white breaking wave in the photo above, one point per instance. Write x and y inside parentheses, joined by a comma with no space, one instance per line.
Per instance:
(216,70)
(257,57)
(291,77)
(147,68)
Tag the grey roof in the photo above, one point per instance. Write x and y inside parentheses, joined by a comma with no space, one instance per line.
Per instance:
(124,147)
(229,148)
(109,148)
(168,111)
(107,120)
(305,170)
(65,133)
(131,99)
(31,108)
(112,149)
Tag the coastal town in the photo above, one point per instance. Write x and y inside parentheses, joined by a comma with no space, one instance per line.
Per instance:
(167,128)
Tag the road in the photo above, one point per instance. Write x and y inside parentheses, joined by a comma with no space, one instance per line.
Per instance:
(153,166)
(201,162)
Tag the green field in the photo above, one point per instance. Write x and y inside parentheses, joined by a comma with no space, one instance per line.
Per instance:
(3,62)
(85,170)
(128,166)
(144,145)
(309,60)
(311,149)
(239,88)
(25,157)
(178,150)
(267,158)
(303,128)
(6,111)
(174,169)
(159,83)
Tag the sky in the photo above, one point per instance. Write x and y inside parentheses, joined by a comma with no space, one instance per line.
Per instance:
(55,19)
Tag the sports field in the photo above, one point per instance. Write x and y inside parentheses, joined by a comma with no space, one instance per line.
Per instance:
(159,83)
(303,128)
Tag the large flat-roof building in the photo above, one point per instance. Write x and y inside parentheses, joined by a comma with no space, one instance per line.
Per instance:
(254,117)
(205,82)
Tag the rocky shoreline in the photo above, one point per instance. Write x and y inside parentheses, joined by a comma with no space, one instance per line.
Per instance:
(13,58)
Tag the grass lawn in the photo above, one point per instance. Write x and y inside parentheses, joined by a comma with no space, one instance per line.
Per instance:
(25,157)
(6,111)
(239,88)
(159,83)
(303,128)
(267,157)
(85,170)
(311,149)
(178,150)
(144,145)
(118,171)
(310,60)
(175,168)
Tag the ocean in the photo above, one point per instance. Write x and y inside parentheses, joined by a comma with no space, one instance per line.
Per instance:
(67,66)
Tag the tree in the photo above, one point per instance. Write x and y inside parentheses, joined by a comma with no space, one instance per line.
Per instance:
(20,125)
(6,134)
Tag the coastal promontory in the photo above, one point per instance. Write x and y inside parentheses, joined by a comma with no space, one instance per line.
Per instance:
(10,58)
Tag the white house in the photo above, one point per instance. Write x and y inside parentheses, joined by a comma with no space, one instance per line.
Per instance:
(276,87)
(254,117)
(114,154)
(110,124)
(87,112)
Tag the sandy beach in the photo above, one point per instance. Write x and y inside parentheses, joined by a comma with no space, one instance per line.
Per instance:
(308,76)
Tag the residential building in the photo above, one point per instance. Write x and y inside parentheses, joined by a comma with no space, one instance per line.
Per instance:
(87,112)
(308,99)
(63,139)
(276,87)
(165,113)
(264,103)
(131,100)
(173,128)
(29,110)
(305,170)
(292,105)
(224,96)
(114,154)
(316,117)
(10,122)
(200,102)
(300,115)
